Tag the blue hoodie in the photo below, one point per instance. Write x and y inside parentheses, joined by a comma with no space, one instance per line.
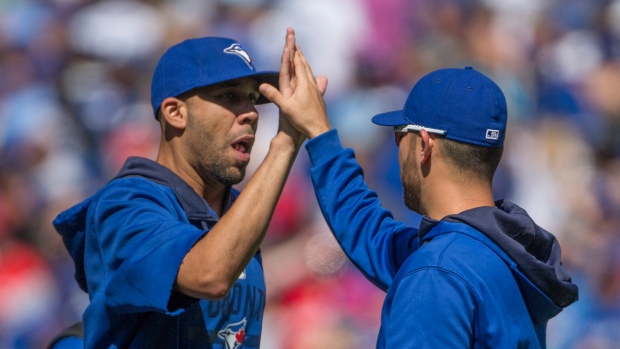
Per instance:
(484,278)
(128,242)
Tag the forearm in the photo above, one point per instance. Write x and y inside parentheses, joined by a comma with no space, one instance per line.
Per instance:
(368,233)
(213,265)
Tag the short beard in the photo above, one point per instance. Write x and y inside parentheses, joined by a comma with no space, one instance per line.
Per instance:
(411,183)
(411,188)
(227,175)
(211,159)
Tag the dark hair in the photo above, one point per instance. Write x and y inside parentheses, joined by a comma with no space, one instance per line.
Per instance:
(474,159)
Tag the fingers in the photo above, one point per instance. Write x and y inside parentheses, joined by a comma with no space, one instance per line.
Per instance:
(301,74)
(271,93)
(307,70)
(287,70)
(304,72)
(290,44)
(289,41)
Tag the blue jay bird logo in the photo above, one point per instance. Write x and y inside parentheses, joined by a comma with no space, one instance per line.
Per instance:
(233,335)
(236,49)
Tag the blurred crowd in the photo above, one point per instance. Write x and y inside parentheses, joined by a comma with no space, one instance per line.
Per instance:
(74,103)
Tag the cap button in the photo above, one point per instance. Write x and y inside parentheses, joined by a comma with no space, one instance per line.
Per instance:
(468,67)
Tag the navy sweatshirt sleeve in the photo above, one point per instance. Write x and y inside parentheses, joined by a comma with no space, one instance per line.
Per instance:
(375,242)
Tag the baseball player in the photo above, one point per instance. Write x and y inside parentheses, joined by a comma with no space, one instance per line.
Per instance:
(168,251)
(477,273)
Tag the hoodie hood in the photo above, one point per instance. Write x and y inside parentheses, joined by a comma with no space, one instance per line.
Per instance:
(535,251)
(71,224)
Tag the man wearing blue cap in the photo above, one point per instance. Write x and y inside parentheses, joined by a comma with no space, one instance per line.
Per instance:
(167,251)
(477,273)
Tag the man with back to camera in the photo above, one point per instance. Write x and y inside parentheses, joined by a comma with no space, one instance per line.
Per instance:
(167,251)
(477,273)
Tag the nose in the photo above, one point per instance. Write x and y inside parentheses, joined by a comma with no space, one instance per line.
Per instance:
(250,116)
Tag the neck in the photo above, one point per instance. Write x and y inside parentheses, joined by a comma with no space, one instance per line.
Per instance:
(211,190)
(450,198)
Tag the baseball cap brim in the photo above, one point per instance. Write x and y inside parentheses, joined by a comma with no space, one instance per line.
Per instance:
(270,77)
(392,118)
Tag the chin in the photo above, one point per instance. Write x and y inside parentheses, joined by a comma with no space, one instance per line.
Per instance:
(235,175)
(412,200)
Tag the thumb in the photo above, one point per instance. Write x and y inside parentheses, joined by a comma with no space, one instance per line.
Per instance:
(321,82)
(271,93)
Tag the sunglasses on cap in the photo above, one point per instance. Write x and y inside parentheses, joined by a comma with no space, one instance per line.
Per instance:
(401,130)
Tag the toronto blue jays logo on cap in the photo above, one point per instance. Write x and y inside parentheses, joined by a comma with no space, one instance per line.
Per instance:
(233,335)
(236,49)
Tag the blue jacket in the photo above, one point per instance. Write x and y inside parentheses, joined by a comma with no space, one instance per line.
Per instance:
(485,278)
(128,241)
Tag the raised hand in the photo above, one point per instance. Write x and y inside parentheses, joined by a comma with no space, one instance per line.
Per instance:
(287,82)
(287,69)
(300,97)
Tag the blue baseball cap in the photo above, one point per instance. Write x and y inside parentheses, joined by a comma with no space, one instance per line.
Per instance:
(203,62)
(461,104)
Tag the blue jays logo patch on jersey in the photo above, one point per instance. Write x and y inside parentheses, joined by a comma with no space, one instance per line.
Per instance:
(236,49)
(234,334)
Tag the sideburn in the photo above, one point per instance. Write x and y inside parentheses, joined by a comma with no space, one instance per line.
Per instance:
(410,179)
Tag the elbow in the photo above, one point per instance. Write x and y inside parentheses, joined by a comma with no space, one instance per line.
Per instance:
(216,291)
(213,289)
(208,288)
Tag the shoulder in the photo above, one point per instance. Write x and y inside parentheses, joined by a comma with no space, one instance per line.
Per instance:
(140,182)
(133,193)
(135,186)
(459,254)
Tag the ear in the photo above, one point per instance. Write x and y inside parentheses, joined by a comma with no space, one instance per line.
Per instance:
(174,112)
(428,143)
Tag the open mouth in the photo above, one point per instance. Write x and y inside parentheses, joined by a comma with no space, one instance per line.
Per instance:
(243,147)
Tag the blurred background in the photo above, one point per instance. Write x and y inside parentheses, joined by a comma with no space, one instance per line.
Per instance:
(74,103)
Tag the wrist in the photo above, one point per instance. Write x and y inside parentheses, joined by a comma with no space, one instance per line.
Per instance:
(318,130)
(282,142)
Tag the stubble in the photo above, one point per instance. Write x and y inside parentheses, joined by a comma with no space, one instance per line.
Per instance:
(409,176)
(211,156)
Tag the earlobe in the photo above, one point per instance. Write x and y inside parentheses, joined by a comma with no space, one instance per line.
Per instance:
(174,111)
